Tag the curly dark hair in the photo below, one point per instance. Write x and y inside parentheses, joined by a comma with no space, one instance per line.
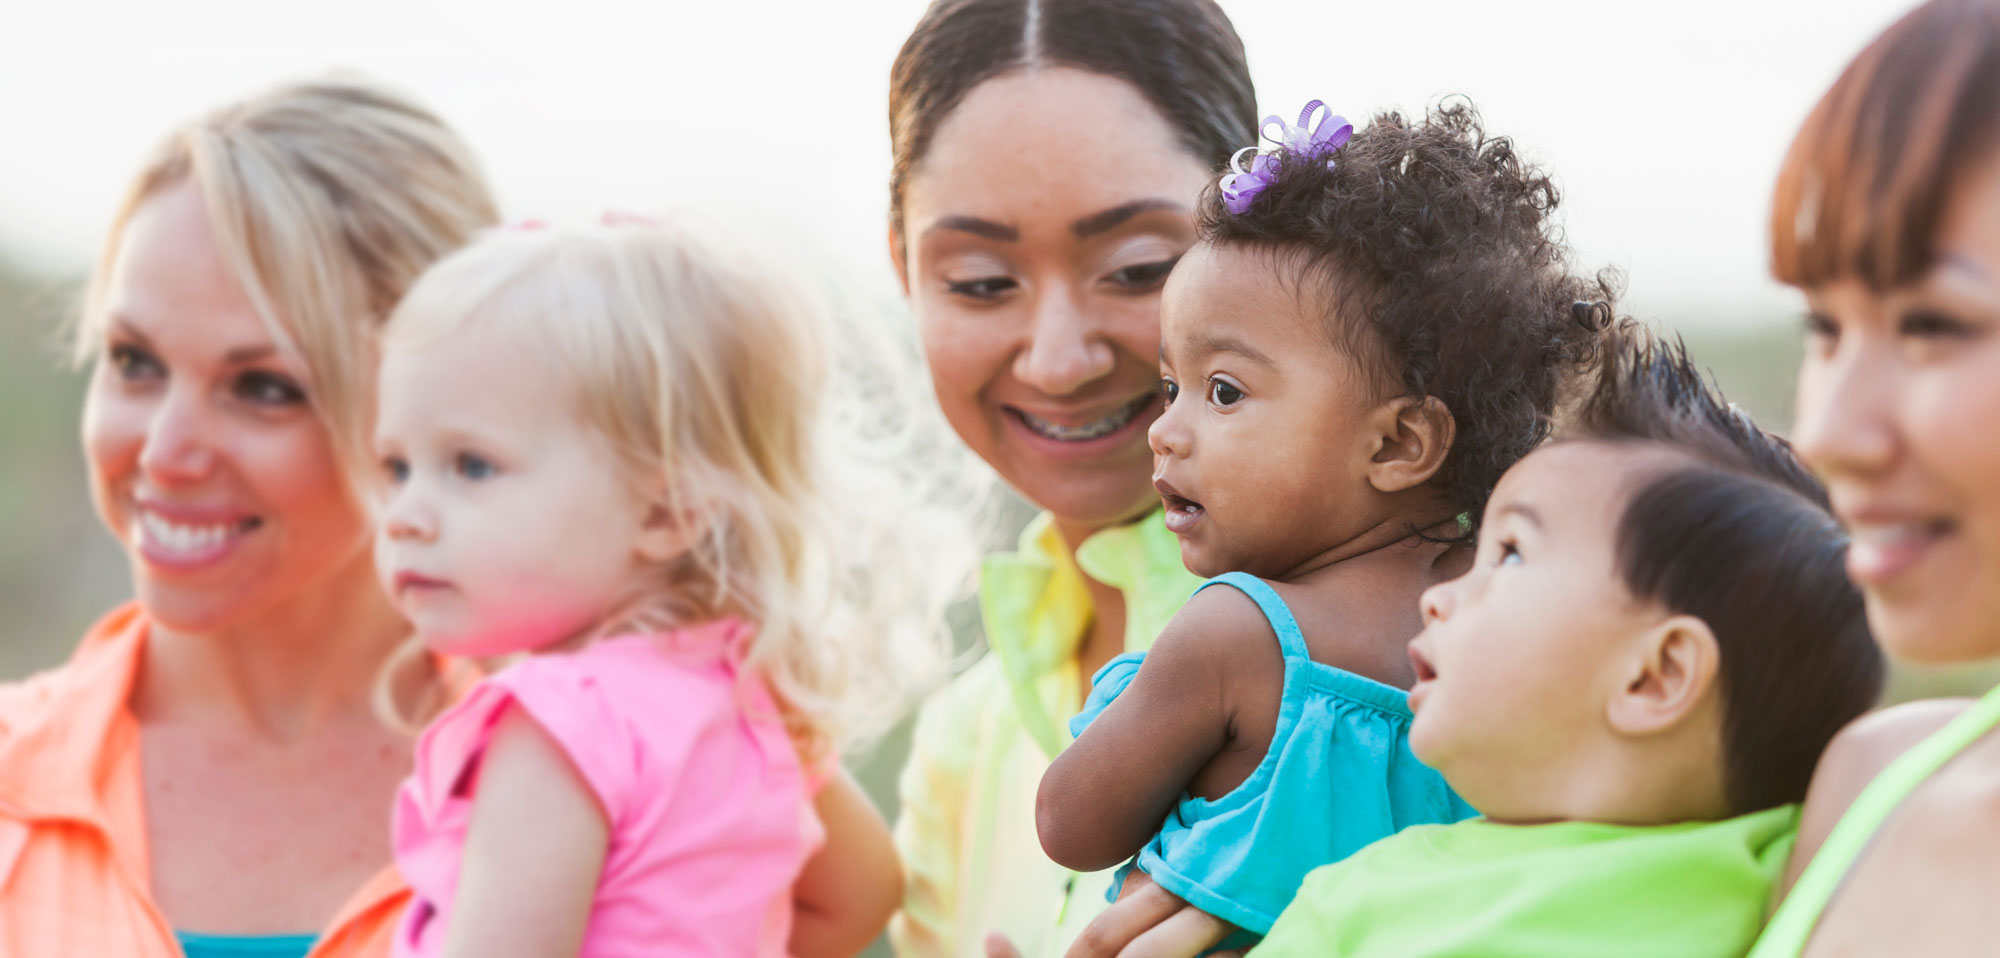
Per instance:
(1434,246)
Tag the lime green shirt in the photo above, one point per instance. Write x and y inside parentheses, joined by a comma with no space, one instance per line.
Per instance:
(971,858)
(1577,889)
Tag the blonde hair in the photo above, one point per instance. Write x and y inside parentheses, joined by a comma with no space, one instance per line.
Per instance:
(707,369)
(327,199)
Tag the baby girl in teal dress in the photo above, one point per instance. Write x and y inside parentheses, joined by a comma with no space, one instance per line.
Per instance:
(1366,336)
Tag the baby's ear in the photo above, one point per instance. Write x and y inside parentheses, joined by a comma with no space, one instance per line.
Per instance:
(1412,438)
(1675,668)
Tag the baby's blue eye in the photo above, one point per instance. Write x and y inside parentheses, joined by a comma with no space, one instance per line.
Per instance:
(1509,555)
(397,469)
(474,467)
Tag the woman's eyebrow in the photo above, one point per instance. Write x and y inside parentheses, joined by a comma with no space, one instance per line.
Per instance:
(977,227)
(1961,263)
(239,356)
(1103,220)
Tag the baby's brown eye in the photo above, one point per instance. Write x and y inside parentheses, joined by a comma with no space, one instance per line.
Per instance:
(1170,390)
(1223,394)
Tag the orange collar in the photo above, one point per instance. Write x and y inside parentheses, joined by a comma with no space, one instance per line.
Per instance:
(63,732)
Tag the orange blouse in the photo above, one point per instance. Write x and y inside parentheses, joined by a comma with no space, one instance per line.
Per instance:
(73,865)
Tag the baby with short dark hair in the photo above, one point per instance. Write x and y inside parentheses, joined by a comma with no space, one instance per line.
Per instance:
(1632,684)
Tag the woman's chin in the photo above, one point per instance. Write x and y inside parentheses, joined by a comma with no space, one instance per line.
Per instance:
(192,611)
(1959,630)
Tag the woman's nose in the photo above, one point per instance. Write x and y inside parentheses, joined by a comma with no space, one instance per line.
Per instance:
(1066,349)
(1845,423)
(179,447)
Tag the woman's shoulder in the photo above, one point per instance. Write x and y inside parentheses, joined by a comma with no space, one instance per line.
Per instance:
(1870,743)
(1855,757)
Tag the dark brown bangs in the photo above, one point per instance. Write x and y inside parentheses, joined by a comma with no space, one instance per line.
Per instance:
(1865,186)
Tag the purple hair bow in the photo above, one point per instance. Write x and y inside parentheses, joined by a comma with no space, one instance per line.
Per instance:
(1307,141)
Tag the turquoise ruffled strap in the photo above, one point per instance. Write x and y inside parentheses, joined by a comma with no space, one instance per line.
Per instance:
(1290,639)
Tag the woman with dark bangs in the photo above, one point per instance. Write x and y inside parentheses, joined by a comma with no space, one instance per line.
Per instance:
(1887,217)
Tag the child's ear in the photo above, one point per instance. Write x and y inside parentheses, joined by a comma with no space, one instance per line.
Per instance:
(668,530)
(896,256)
(1676,668)
(1412,438)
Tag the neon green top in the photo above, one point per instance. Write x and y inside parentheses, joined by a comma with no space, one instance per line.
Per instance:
(1793,926)
(972,862)
(1580,889)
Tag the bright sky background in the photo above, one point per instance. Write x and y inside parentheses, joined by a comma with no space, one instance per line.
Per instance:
(1664,121)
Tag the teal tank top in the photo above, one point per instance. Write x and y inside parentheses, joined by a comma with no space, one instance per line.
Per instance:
(1338,776)
(196,945)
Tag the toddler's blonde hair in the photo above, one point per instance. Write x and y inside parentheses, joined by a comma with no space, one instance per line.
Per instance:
(707,369)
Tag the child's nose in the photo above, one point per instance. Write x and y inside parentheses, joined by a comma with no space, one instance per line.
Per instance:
(408,518)
(1166,435)
(1437,602)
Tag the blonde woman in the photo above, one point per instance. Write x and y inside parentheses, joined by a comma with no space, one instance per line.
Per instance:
(206,772)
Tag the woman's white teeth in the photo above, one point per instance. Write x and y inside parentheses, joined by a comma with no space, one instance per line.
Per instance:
(1893,534)
(176,537)
(1089,430)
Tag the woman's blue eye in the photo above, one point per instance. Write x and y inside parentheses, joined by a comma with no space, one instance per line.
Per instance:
(475,467)
(1223,394)
(1169,389)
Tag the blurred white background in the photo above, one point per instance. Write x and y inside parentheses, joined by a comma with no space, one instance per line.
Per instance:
(1665,122)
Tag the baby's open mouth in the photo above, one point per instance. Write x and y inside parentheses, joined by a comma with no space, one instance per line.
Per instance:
(1182,512)
(1421,664)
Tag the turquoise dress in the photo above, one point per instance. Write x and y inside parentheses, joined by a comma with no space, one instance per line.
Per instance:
(1339,775)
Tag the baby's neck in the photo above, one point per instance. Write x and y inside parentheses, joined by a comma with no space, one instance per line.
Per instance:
(1395,543)
(1660,782)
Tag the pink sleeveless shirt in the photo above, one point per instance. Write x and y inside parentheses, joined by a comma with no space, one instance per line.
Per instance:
(710,809)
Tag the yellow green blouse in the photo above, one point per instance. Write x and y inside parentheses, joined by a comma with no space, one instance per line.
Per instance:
(972,861)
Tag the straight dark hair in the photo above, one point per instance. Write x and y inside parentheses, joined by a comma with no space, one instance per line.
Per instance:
(1739,535)
(1182,55)
(1868,179)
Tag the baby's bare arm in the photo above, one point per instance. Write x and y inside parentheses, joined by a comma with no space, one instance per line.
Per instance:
(1108,793)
